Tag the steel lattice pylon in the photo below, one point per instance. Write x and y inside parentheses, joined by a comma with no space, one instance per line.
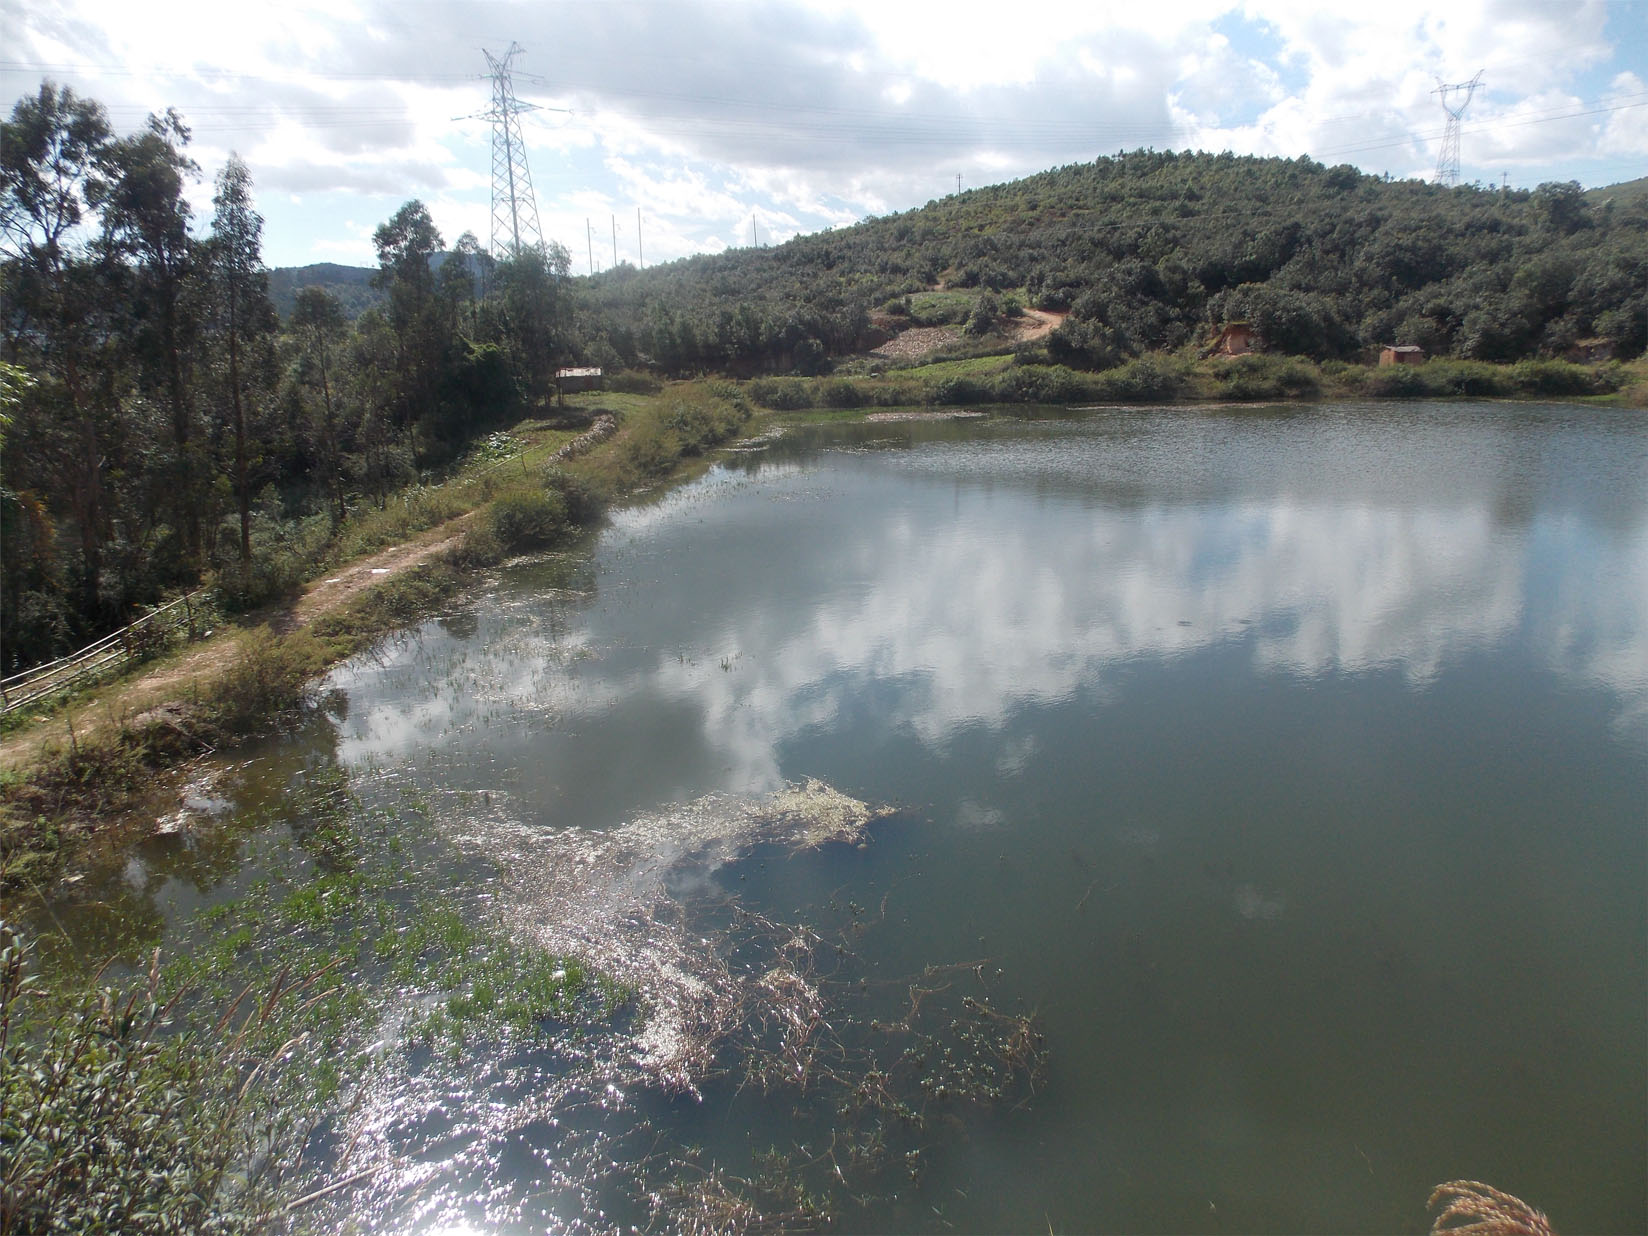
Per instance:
(1447,162)
(514,208)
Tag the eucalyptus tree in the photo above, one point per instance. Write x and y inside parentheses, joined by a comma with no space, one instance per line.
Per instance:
(145,219)
(54,157)
(318,322)
(246,317)
(534,313)
(406,244)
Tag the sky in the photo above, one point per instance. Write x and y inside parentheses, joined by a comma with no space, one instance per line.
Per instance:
(664,128)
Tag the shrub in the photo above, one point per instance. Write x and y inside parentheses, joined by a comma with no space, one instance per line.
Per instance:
(1554,377)
(584,500)
(527,520)
(1465,377)
(959,389)
(478,549)
(649,451)
(1396,381)
(782,394)
(1042,384)
(840,393)
(268,681)
(114,1123)
(1144,380)
(633,382)
(1260,376)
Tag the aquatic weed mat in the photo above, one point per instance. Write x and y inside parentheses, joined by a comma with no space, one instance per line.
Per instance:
(553,1030)
(842,1080)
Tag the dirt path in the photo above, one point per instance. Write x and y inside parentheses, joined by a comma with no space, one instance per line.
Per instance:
(1038,324)
(918,341)
(173,678)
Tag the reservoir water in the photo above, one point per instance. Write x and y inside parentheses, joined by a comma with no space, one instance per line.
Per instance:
(1260,798)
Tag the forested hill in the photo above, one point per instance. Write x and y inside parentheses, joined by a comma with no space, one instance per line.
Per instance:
(350,286)
(1152,250)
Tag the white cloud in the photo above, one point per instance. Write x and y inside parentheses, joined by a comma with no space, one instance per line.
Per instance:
(816,113)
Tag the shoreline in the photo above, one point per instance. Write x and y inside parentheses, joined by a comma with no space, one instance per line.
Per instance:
(62,789)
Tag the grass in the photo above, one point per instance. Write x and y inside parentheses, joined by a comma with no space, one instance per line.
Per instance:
(1027,377)
(971,367)
(78,787)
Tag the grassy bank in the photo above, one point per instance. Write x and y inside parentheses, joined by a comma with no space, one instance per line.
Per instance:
(518,498)
(1026,377)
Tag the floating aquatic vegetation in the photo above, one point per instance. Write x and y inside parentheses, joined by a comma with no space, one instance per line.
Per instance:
(612,896)
(730,1006)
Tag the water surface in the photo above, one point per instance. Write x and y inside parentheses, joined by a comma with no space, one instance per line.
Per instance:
(1291,766)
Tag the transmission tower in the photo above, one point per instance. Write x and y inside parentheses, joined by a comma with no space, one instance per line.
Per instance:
(514,208)
(1447,163)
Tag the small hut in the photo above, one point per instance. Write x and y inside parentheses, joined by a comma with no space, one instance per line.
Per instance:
(1401,354)
(571,381)
(1233,339)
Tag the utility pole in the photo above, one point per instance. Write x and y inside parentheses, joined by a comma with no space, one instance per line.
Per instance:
(640,253)
(752,231)
(1447,161)
(614,242)
(958,182)
(589,237)
(514,208)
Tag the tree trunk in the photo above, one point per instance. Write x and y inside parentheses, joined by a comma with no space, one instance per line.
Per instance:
(240,444)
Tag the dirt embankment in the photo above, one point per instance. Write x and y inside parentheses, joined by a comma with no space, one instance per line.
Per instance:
(1037,324)
(920,341)
(180,677)
(177,677)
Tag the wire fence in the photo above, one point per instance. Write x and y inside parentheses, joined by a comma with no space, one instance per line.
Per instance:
(113,652)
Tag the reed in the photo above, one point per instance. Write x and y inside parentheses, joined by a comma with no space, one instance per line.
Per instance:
(1471,1208)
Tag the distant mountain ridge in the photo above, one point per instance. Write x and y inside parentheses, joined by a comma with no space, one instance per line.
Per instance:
(350,286)
(1147,251)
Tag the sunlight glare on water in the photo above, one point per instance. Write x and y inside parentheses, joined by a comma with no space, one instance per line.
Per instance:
(1288,764)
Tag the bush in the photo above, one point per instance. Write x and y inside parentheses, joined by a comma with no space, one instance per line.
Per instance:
(1144,380)
(479,548)
(1260,376)
(284,554)
(633,382)
(527,520)
(1042,384)
(959,389)
(115,1123)
(1464,377)
(840,393)
(782,394)
(649,451)
(1554,377)
(1396,381)
(584,500)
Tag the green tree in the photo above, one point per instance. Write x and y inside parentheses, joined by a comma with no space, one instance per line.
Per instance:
(246,317)
(146,222)
(319,324)
(54,153)
(406,244)
(534,313)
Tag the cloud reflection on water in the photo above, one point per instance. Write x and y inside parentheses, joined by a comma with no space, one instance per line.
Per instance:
(751,610)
